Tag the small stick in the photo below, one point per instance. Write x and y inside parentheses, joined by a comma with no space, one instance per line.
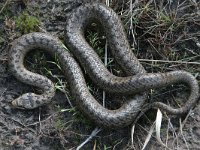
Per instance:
(106,63)
(94,133)
(4,6)
(170,61)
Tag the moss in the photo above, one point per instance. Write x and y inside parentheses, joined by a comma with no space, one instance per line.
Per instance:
(26,23)
(59,124)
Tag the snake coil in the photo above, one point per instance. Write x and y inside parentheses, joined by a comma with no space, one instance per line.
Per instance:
(137,81)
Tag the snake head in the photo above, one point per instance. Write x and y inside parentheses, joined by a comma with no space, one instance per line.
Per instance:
(17,104)
(26,101)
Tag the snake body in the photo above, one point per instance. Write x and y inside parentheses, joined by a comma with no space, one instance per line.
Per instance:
(137,80)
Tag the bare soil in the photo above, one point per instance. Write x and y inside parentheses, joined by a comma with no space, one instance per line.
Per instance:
(49,127)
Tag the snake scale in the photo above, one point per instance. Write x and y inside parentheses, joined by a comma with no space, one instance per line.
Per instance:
(137,81)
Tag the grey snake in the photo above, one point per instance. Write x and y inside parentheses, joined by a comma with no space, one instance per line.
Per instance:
(137,81)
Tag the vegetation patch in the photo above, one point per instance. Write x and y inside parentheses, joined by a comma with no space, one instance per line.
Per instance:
(164,36)
(27,23)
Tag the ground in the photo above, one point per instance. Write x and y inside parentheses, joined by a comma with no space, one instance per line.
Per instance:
(166,35)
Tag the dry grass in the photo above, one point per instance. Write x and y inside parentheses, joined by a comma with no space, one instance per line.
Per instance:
(164,35)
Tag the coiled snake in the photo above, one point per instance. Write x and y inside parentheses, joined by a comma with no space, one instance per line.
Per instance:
(137,80)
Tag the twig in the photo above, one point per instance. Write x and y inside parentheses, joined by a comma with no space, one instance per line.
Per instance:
(38,122)
(106,63)
(131,32)
(173,130)
(185,120)
(167,132)
(94,133)
(108,3)
(39,119)
(170,61)
(4,6)
(132,133)
(181,132)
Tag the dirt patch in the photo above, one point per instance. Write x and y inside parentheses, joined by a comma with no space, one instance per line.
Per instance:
(61,126)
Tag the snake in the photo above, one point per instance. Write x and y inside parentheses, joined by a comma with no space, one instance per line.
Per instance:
(76,54)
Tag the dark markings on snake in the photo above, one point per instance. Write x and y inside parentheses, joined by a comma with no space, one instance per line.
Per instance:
(137,80)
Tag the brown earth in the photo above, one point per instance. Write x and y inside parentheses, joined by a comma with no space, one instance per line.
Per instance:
(51,128)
